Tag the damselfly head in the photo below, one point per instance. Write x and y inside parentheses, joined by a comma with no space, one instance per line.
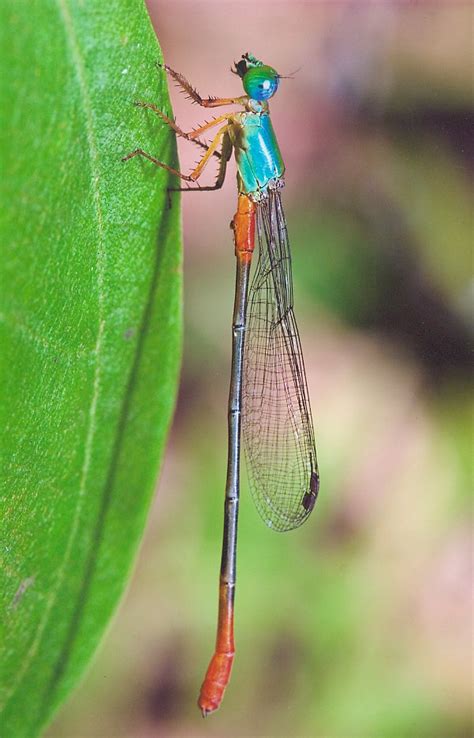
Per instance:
(260,81)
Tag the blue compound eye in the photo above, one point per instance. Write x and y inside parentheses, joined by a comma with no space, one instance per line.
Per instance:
(260,83)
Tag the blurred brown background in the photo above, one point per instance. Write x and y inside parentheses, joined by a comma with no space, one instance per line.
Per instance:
(358,624)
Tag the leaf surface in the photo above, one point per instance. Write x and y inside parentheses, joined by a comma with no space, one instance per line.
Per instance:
(90,326)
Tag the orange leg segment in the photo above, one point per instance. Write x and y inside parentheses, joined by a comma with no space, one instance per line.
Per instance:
(192,94)
(190,135)
(198,170)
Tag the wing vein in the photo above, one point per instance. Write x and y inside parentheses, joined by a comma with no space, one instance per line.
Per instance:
(277,426)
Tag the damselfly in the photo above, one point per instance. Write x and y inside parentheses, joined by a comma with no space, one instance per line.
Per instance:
(268,398)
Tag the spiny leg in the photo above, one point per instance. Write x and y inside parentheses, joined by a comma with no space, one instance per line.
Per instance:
(208,124)
(212,147)
(225,154)
(192,94)
(169,121)
(191,135)
(196,173)
(140,152)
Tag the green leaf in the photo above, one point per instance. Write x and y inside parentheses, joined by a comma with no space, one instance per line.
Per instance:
(90,332)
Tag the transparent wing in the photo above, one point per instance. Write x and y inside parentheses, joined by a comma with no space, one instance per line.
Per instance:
(277,427)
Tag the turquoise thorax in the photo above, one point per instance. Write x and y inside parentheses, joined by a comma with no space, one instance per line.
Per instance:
(256,150)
